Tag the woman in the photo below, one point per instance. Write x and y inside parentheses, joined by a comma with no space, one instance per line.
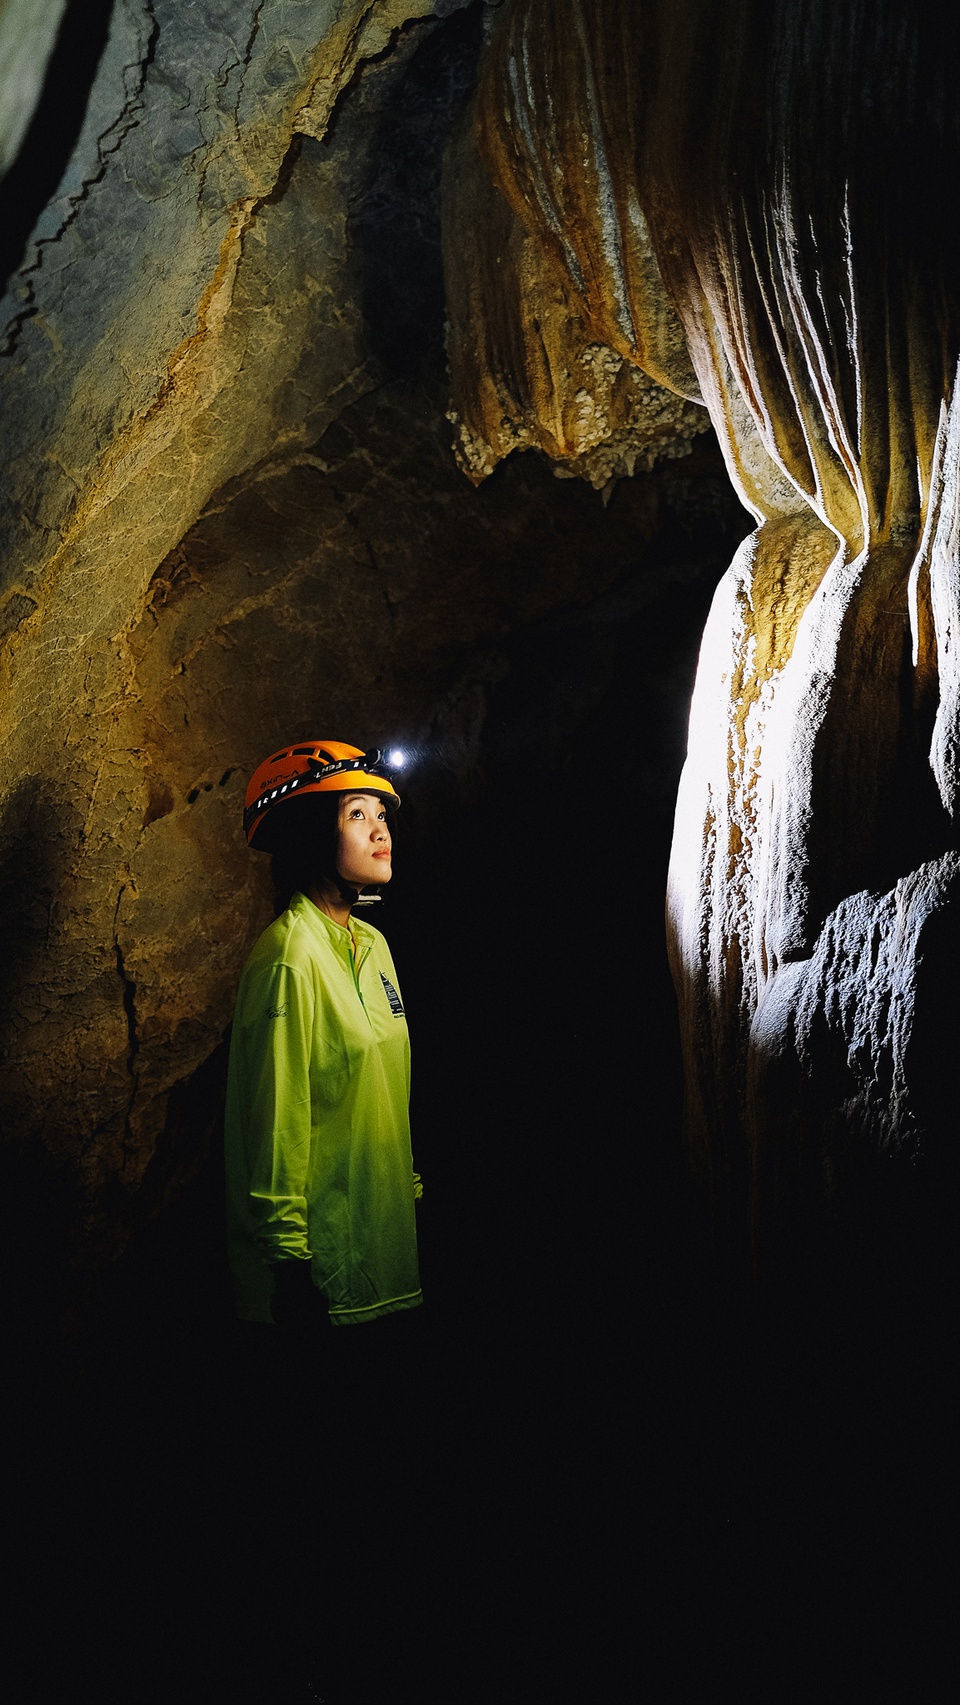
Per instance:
(320,1180)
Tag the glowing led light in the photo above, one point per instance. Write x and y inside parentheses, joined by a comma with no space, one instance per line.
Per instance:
(396,759)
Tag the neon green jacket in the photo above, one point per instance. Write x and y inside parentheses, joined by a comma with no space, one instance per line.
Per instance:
(317,1127)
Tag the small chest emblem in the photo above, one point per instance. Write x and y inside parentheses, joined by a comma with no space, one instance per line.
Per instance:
(396,1004)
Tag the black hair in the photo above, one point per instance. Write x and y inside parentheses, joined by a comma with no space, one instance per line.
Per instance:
(305,841)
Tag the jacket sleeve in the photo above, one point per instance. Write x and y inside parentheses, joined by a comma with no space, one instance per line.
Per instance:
(276,1042)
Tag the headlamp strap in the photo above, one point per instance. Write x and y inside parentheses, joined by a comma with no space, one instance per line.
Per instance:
(370,763)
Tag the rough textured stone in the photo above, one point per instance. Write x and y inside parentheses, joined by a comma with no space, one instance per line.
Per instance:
(821,317)
(176,322)
(530,366)
(255,527)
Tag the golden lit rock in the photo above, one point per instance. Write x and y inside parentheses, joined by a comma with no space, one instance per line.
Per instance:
(530,368)
(170,329)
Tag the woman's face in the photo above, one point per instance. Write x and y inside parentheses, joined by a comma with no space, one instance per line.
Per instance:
(364,854)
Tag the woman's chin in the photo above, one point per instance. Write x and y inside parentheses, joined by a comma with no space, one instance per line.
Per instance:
(376,881)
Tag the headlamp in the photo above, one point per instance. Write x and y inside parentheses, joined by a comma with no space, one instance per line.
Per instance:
(374,762)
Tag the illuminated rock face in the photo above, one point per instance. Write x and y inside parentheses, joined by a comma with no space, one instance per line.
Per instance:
(777,179)
(189,314)
(233,517)
(532,366)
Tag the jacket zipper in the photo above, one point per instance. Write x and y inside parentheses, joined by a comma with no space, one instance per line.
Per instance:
(355,964)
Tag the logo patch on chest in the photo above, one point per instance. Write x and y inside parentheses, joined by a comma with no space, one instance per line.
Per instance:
(396,1004)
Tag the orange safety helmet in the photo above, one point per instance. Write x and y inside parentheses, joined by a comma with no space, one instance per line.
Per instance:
(315,766)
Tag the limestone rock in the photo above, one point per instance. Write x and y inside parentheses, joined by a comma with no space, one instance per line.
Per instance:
(778,163)
(235,517)
(528,365)
(177,321)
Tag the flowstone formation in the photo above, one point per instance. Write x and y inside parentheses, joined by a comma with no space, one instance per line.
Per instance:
(775,181)
(574,351)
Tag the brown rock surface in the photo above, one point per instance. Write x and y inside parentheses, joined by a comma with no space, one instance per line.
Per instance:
(235,516)
(530,365)
(177,320)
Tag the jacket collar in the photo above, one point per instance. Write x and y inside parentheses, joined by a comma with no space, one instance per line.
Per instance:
(335,933)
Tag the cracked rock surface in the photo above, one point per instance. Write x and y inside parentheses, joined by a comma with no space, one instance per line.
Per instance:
(234,516)
(176,322)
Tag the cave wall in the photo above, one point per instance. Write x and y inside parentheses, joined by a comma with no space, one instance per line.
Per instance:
(764,176)
(27,38)
(132,388)
(234,473)
(176,322)
(235,514)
